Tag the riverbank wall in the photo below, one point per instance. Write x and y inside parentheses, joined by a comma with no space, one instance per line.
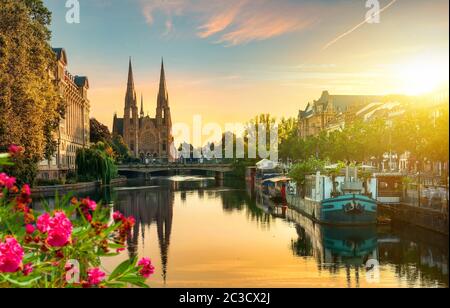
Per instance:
(50,191)
(426,218)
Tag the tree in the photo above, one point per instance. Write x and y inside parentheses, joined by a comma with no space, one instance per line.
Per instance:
(96,163)
(120,148)
(300,170)
(99,132)
(334,173)
(30,105)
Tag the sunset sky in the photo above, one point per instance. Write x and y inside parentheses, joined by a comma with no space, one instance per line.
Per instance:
(230,60)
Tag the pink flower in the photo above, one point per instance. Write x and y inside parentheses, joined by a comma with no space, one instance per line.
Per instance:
(59,228)
(91,205)
(29,229)
(27,269)
(95,276)
(117,216)
(11,255)
(43,223)
(89,217)
(26,191)
(131,221)
(6,181)
(147,269)
(15,150)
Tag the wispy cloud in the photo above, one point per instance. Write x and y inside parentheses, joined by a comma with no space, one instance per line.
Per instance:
(235,22)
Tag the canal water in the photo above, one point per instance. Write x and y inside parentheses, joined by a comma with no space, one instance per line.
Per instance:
(200,233)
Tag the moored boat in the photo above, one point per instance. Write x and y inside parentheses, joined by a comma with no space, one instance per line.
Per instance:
(347,201)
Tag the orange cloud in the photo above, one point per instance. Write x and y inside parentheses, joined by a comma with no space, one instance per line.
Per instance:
(220,22)
(235,22)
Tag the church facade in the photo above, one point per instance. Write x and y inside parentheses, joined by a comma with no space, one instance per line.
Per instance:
(146,137)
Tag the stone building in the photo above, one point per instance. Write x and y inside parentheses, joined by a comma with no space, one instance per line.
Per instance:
(73,132)
(331,112)
(146,137)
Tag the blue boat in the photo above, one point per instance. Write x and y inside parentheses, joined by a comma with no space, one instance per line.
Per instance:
(342,200)
(350,209)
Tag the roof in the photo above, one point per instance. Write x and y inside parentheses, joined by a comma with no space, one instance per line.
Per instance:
(82,81)
(61,55)
(340,103)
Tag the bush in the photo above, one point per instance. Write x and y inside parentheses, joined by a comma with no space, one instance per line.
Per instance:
(51,249)
(96,163)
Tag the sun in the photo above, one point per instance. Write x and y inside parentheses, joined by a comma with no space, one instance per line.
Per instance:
(423,75)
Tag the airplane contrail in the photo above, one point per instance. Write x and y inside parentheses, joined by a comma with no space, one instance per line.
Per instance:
(357,26)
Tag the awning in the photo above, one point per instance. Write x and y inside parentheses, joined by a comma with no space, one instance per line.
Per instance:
(266,164)
(278,179)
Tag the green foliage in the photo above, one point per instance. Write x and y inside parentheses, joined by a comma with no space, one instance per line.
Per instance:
(421,131)
(30,105)
(99,132)
(120,148)
(96,163)
(84,232)
(300,170)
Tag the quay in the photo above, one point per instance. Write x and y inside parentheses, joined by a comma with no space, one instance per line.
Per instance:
(427,218)
(50,191)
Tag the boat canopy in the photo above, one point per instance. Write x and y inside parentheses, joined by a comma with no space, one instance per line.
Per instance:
(266,164)
(278,179)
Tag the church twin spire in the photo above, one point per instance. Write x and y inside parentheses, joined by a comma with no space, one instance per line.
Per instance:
(145,135)
(163,96)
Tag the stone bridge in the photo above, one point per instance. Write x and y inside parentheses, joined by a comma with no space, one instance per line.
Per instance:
(218,169)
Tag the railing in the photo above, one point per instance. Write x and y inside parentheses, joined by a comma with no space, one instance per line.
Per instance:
(434,198)
(184,162)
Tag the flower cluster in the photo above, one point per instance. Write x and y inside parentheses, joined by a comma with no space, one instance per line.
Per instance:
(87,207)
(36,252)
(127,223)
(7,182)
(95,277)
(146,267)
(11,255)
(23,200)
(15,150)
(58,228)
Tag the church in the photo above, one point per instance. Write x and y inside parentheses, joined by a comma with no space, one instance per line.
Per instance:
(146,137)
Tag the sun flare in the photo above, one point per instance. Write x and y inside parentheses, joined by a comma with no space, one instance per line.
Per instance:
(423,76)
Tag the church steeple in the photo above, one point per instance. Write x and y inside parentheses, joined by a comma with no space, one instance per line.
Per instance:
(142,106)
(131,115)
(130,99)
(163,96)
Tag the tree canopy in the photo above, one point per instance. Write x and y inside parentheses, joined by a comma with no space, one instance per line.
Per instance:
(30,104)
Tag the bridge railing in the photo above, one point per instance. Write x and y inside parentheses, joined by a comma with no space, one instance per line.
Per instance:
(179,162)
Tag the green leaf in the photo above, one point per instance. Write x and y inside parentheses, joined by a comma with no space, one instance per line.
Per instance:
(21,283)
(122,268)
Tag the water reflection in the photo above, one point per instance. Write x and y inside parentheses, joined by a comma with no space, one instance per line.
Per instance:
(148,206)
(212,234)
